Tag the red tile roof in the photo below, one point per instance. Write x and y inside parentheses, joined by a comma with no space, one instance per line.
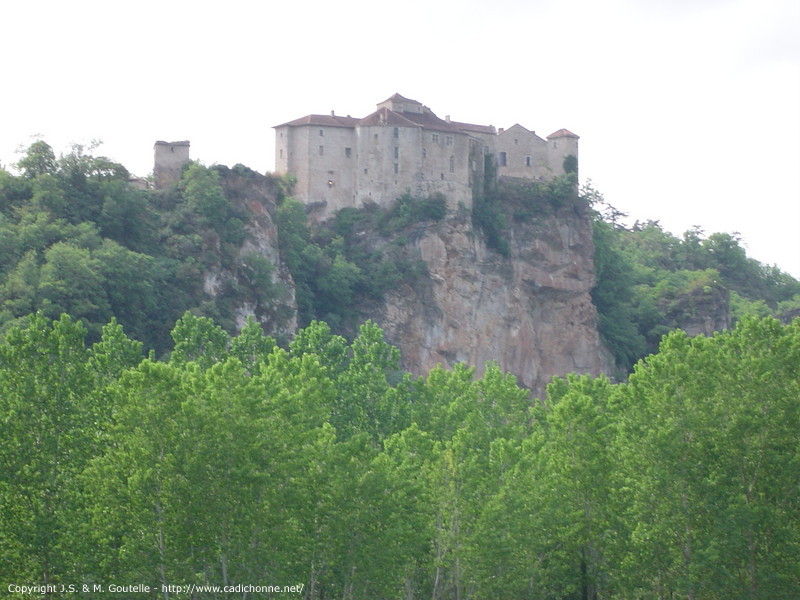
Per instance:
(562,133)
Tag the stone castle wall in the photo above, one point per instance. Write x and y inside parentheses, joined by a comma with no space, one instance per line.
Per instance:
(405,148)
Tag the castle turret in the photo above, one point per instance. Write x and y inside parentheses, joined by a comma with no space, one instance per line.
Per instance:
(561,145)
(168,160)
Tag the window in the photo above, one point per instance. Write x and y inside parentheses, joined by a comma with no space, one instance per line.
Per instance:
(397,152)
(330,179)
(321,150)
(397,132)
(452,164)
(321,133)
(424,153)
(348,152)
(281,153)
(516,141)
(435,138)
(501,159)
(396,168)
(449,140)
(528,161)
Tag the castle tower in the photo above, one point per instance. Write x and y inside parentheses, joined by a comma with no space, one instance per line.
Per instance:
(560,145)
(168,160)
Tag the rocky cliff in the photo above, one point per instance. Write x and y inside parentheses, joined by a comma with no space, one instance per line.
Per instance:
(258,284)
(531,311)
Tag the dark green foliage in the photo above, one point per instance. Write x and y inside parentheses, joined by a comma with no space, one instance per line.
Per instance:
(613,296)
(570,164)
(76,236)
(407,210)
(498,203)
(343,263)
(650,282)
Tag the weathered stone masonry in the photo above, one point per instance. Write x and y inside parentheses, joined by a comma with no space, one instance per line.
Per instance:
(403,147)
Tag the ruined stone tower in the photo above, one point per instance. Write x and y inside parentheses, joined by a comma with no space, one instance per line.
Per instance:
(168,160)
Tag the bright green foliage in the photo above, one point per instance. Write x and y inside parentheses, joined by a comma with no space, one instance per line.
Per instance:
(199,340)
(49,422)
(238,462)
(709,455)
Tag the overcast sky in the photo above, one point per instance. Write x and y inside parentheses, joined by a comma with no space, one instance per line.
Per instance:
(688,110)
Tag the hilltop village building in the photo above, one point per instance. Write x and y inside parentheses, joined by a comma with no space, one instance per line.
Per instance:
(403,147)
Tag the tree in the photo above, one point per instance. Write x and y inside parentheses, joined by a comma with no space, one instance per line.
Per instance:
(198,339)
(38,160)
(708,452)
(50,432)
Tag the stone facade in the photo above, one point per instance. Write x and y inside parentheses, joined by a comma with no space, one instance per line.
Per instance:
(403,147)
(168,160)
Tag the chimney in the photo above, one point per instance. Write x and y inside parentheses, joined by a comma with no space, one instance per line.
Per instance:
(447,118)
(333,115)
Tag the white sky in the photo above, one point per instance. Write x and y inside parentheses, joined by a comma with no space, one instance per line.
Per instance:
(688,110)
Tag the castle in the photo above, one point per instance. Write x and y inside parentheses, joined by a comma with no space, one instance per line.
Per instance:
(403,147)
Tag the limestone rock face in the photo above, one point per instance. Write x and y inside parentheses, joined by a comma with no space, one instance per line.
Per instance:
(255,195)
(531,312)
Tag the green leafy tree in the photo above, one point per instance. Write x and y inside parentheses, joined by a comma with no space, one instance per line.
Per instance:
(198,339)
(707,451)
(49,434)
(39,160)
